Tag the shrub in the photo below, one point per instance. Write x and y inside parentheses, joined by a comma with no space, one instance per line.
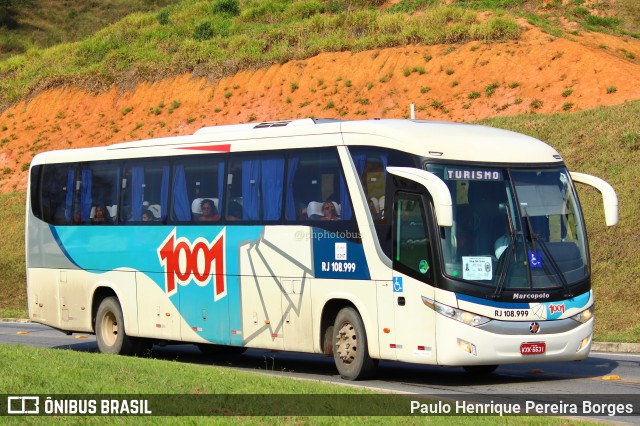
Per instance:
(491,89)
(227,7)
(203,31)
(163,17)
(536,104)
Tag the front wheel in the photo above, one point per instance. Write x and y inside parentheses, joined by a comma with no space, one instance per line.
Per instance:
(350,350)
(110,333)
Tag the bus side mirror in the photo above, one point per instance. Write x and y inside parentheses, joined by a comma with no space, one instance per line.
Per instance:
(609,197)
(436,187)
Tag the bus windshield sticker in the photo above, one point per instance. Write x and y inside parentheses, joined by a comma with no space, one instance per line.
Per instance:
(457,173)
(477,268)
(341,251)
(535,259)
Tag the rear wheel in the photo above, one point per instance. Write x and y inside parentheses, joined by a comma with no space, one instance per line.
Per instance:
(110,333)
(350,350)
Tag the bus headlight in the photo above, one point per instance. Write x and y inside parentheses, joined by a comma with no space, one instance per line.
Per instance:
(584,316)
(465,317)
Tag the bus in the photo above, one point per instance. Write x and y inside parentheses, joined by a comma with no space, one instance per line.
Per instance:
(414,241)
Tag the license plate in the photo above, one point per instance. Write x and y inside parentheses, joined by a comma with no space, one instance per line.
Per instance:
(535,348)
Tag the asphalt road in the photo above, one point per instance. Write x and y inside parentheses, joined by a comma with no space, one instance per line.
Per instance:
(609,377)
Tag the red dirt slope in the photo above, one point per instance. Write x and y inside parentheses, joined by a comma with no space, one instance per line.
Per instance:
(538,73)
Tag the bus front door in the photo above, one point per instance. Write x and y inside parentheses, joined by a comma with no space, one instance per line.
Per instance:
(412,279)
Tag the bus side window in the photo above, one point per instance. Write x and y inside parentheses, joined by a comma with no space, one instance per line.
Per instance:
(145,191)
(255,187)
(411,247)
(195,179)
(314,179)
(97,188)
(56,193)
(371,164)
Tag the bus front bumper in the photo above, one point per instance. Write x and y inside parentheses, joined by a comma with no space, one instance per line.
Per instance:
(459,344)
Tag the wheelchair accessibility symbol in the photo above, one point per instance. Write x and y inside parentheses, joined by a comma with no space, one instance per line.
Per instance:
(397,284)
(535,260)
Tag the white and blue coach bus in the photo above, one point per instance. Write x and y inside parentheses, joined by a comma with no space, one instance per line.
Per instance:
(423,242)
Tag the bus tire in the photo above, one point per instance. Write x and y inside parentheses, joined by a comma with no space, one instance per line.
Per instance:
(480,370)
(110,333)
(350,350)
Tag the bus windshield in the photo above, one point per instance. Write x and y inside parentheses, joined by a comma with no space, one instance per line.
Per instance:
(513,228)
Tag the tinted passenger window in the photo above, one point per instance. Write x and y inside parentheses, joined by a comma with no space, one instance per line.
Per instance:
(255,186)
(197,183)
(316,189)
(145,192)
(56,196)
(96,194)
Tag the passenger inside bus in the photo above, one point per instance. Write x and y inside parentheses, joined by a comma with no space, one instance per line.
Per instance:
(100,215)
(330,211)
(209,211)
(147,216)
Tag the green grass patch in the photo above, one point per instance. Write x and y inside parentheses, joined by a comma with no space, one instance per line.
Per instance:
(27,370)
(41,24)
(148,46)
(13,275)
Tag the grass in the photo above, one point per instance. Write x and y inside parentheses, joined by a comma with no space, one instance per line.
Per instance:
(621,16)
(58,372)
(43,23)
(12,267)
(144,47)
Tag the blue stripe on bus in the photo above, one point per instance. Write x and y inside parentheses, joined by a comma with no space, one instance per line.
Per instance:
(553,308)
(491,303)
(61,245)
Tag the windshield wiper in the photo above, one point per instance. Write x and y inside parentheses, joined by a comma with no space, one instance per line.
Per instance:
(502,269)
(533,237)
